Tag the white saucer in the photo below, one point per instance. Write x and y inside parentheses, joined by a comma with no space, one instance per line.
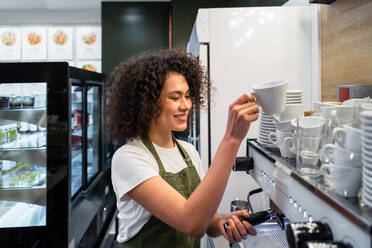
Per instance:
(295,91)
(367,200)
(265,144)
(366,141)
(267,127)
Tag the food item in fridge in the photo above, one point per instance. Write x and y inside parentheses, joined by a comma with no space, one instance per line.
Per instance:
(77,114)
(8,166)
(8,38)
(33,38)
(60,38)
(23,179)
(4,102)
(16,102)
(28,101)
(89,38)
(3,135)
(89,67)
(20,175)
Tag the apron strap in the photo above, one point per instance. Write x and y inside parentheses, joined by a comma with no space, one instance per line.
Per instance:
(184,153)
(186,157)
(148,143)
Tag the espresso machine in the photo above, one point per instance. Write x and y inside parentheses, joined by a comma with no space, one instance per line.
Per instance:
(311,214)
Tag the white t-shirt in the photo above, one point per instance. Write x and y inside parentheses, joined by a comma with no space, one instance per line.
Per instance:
(133,164)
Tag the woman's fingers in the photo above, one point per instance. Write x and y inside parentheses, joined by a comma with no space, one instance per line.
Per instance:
(249,111)
(250,229)
(223,230)
(244,99)
(241,113)
(235,233)
(241,228)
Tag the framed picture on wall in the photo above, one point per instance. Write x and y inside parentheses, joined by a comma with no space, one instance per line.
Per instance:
(90,65)
(60,42)
(88,42)
(34,43)
(10,44)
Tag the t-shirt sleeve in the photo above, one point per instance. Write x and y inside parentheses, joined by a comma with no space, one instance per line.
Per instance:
(131,167)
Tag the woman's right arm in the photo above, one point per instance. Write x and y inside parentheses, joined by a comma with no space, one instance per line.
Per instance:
(194,215)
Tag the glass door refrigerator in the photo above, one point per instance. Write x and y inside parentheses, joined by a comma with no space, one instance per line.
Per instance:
(55,188)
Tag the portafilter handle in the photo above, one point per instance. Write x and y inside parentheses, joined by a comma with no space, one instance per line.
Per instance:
(255,219)
(252,192)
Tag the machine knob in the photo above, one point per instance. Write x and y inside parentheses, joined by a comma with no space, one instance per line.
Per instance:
(243,164)
(301,232)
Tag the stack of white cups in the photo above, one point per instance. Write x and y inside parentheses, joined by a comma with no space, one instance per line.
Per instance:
(270,96)
(294,108)
(366,125)
(344,169)
(266,126)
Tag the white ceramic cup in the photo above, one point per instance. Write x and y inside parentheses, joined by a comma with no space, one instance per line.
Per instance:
(339,114)
(365,106)
(290,144)
(277,139)
(345,179)
(271,96)
(291,111)
(318,105)
(348,137)
(284,126)
(338,155)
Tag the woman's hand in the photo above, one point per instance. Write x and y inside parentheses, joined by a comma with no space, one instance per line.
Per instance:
(241,113)
(237,229)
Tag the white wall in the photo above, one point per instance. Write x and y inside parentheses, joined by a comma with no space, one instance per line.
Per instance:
(296,3)
(48,16)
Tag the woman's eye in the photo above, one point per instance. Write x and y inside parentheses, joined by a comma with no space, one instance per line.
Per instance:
(174,98)
(188,97)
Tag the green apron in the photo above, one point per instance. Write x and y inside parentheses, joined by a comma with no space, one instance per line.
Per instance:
(156,233)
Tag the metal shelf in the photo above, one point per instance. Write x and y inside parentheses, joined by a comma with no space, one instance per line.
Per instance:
(27,155)
(34,116)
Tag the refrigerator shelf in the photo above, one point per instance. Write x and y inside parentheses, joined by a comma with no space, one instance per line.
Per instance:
(35,155)
(32,195)
(34,116)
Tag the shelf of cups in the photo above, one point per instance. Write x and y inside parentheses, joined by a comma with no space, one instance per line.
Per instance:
(350,207)
(35,155)
(34,116)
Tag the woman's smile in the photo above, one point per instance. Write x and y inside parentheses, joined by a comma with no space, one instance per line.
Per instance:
(181,117)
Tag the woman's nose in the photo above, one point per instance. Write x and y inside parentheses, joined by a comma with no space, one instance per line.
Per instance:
(186,104)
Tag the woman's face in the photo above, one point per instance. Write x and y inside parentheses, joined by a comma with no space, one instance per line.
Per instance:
(175,104)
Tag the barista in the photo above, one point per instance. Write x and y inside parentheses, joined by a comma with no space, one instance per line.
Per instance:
(164,197)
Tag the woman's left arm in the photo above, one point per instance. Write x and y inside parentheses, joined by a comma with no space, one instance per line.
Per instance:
(235,231)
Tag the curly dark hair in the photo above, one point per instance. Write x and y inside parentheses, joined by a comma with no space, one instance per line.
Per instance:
(136,85)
